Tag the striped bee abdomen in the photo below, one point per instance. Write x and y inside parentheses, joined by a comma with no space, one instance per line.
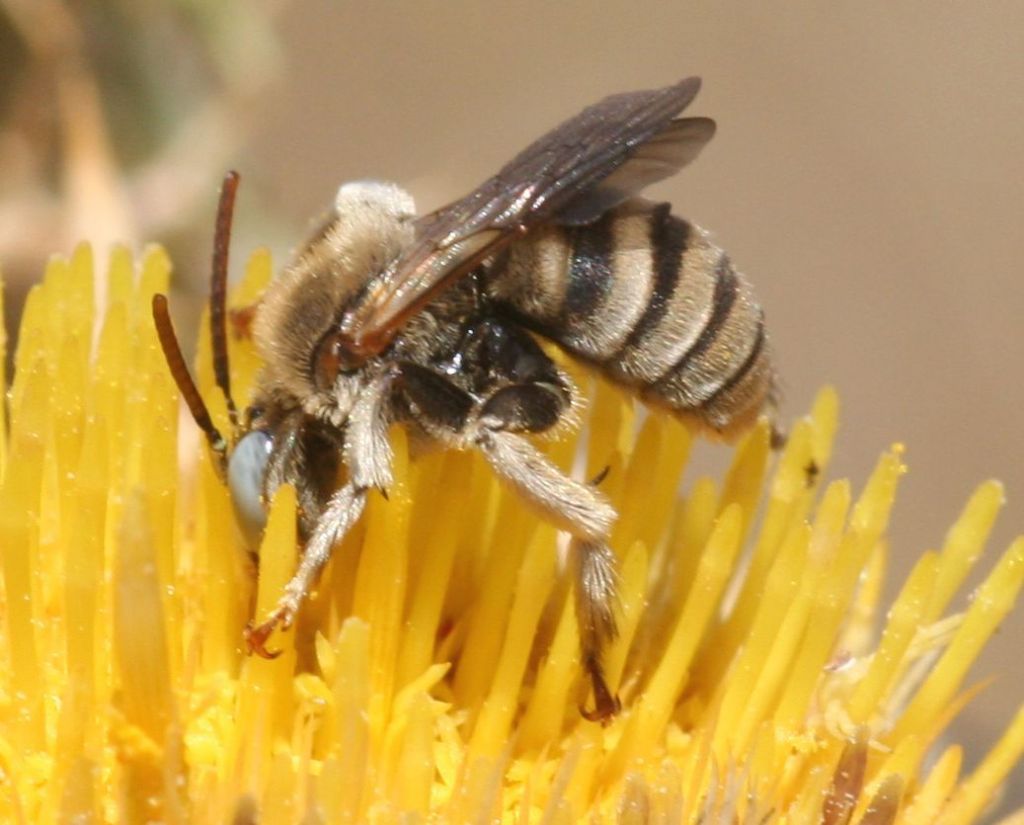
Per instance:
(650,301)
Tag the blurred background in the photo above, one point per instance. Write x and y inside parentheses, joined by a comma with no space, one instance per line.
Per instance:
(867,174)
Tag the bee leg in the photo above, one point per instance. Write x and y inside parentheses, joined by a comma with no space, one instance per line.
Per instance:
(342,511)
(596,585)
(448,413)
(438,405)
(368,458)
(587,515)
(524,408)
(533,395)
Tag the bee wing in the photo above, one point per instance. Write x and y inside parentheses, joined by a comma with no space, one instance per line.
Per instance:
(573,174)
(660,157)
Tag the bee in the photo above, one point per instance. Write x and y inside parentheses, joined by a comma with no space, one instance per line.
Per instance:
(434,322)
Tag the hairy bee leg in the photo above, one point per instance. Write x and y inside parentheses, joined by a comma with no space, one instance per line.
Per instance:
(577,508)
(447,412)
(368,458)
(596,577)
(342,511)
(588,516)
(535,403)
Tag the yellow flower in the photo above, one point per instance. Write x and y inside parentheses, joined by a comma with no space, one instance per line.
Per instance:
(434,675)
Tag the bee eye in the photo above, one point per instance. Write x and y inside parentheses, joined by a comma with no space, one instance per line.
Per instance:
(333,356)
(247,469)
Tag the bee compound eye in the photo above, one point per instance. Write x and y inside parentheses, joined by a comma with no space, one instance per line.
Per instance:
(247,469)
(333,355)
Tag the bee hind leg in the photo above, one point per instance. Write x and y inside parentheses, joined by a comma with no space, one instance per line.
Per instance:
(534,404)
(587,515)
(524,408)
(596,578)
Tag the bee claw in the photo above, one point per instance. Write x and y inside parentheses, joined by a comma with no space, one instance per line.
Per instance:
(256,637)
(270,654)
(605,710)
(606,704)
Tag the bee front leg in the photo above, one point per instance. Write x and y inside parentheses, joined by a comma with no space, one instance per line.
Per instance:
(368,458)
(342,511)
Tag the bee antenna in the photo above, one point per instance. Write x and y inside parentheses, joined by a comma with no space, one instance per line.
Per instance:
(182,377)
(219,290)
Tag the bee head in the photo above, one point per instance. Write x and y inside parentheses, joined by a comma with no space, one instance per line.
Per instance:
(298,325)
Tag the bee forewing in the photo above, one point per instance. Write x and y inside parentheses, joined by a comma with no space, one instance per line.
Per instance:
(397,299)
(551,179)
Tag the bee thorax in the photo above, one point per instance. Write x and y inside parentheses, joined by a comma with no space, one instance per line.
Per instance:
(361,196)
